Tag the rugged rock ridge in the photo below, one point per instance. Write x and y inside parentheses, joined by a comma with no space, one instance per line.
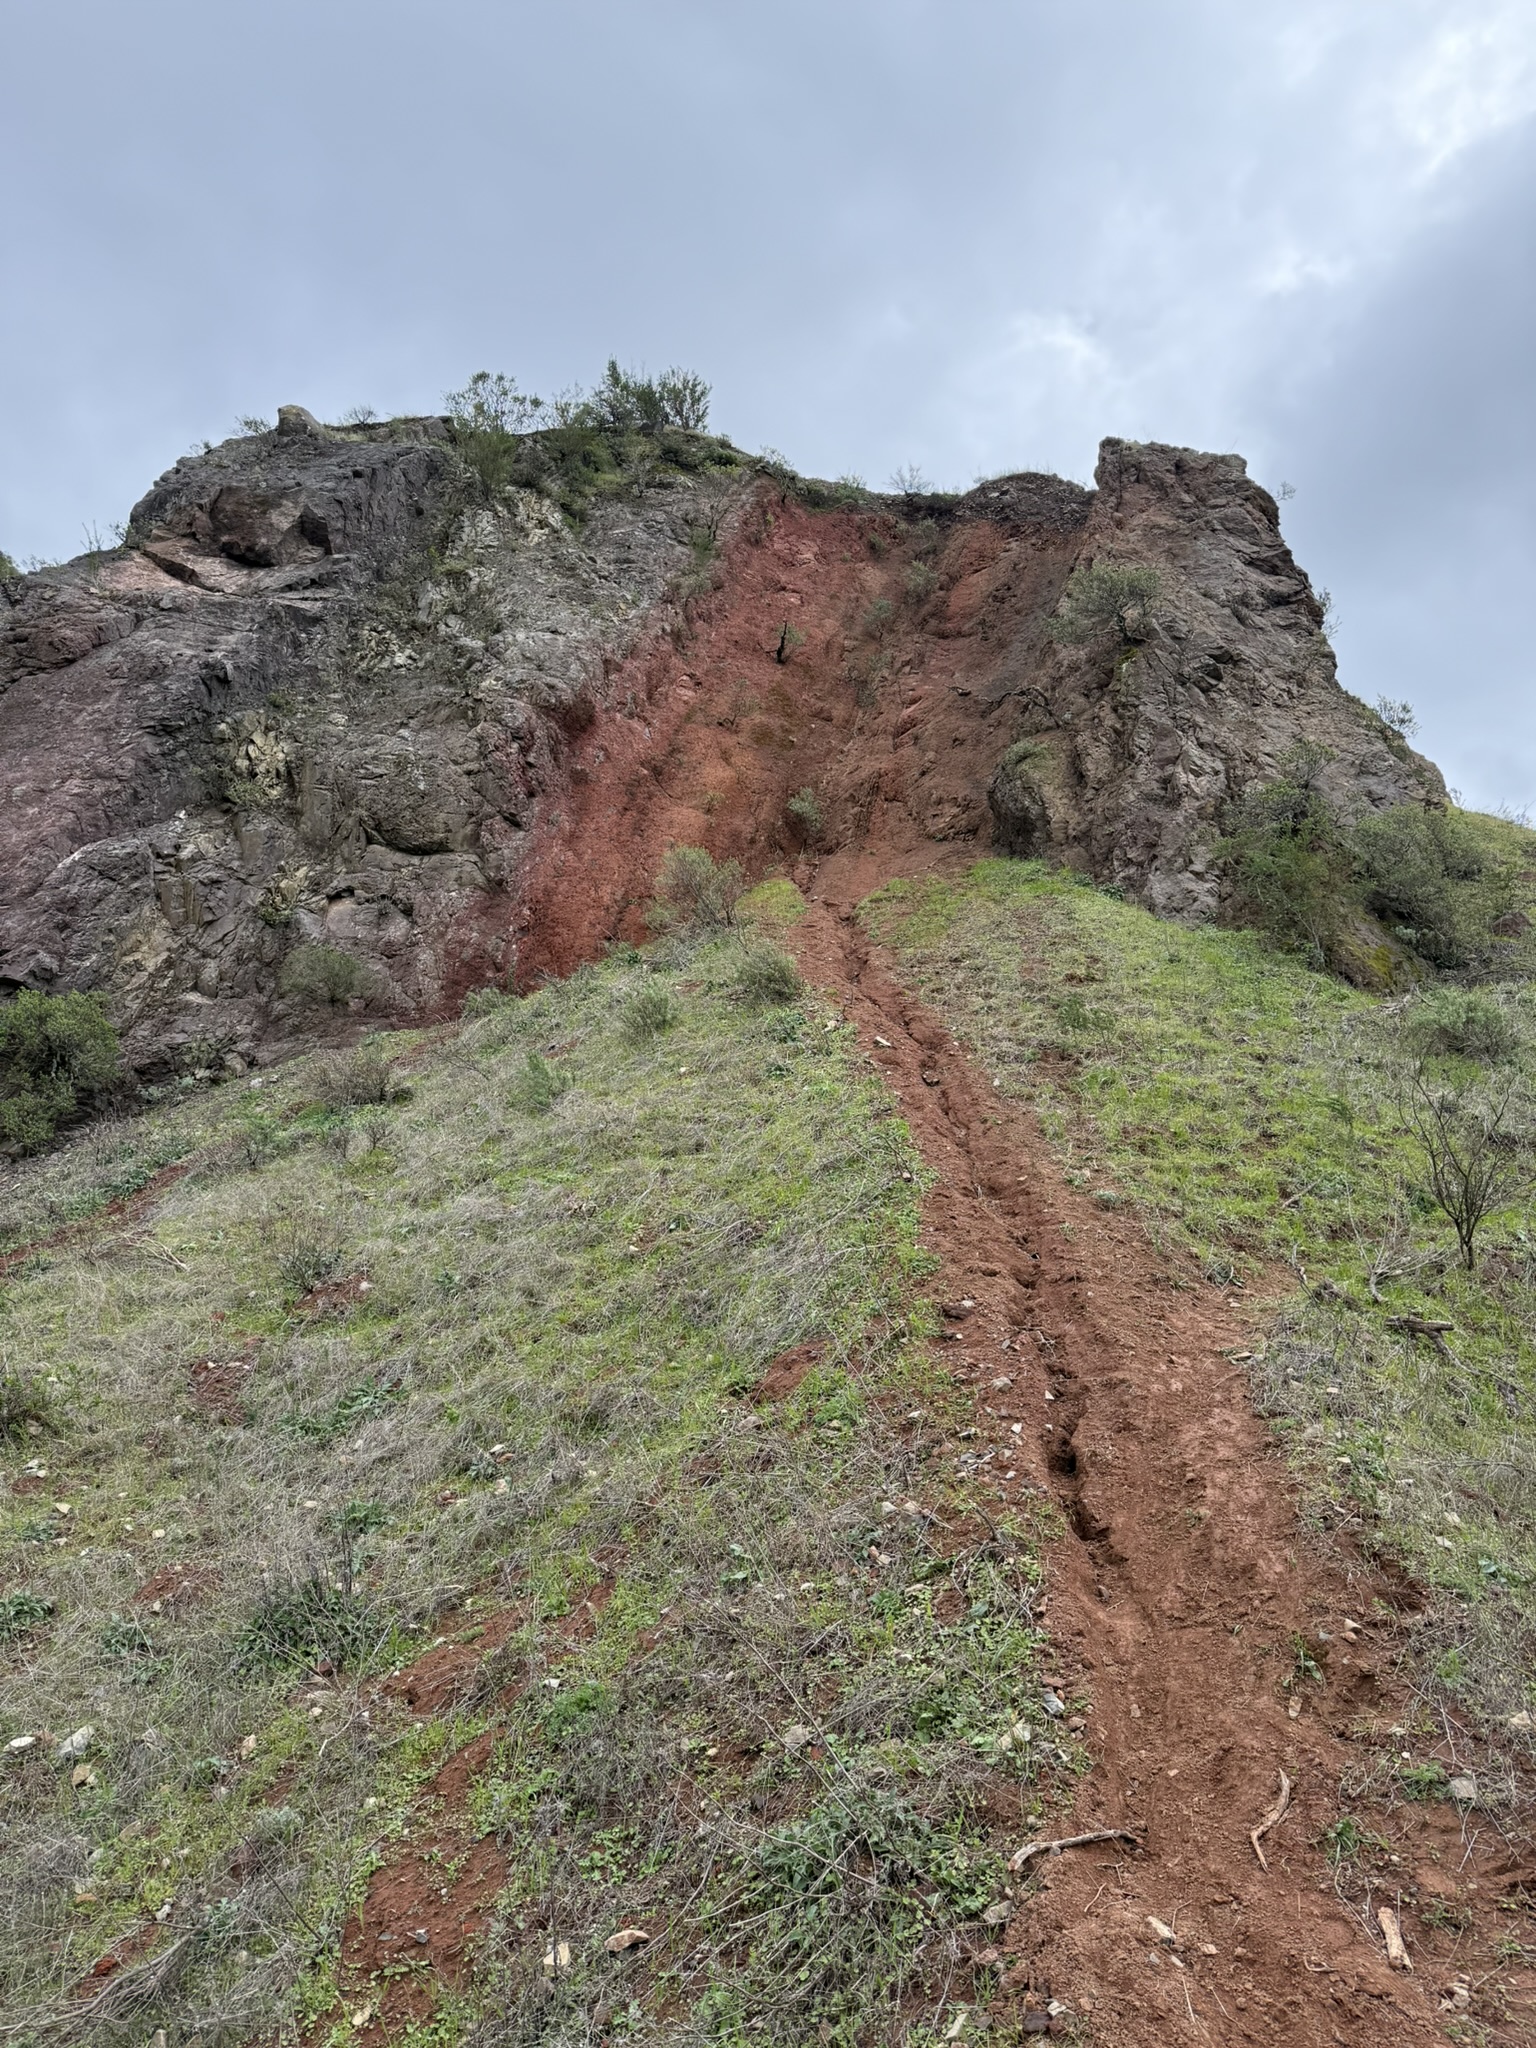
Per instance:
(1139,748)
(325,697)
(314,700)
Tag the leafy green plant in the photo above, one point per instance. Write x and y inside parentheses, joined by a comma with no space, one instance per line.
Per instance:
(876,618)
(1465,1022)
(1290,864)
(1430,876)
(58,1056)
(694,893)
(540,1085)
(920,582)
(20,1613)
(1106,601)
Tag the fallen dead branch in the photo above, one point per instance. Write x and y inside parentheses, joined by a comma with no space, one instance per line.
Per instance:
(1031,1850)
(1392,1934)
(1272,1819)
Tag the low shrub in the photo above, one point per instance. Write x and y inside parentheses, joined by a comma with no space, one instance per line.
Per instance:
(539,1087)
(650,1012)
(805,808)
(922,580)
(357,1079)
(694,893)
(1464,1022)
(1290,864)
(768,976)
(305,1622)
(1426,874)
(20,1613)
(25,1407)
(58,1056)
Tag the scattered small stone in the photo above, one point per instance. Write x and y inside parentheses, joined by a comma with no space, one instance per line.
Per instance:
(1463,1790)
(998,1915)
(420,1936)
(557,1959)
(73,1747)
(1053,1703)
(1522,1723)
(626,1938)
(19,1743)
(1161,1929)
(796,1737)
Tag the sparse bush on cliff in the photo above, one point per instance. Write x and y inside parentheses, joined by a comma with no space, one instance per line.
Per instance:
(805,808)
(58,1054)
(625,403)
(1106,601)
(694,894)
(324,976)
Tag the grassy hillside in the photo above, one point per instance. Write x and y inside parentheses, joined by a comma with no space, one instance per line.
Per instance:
(1254,1111)
(399,1531)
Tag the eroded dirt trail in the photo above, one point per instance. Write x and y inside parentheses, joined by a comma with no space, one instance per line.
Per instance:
(1175,1600)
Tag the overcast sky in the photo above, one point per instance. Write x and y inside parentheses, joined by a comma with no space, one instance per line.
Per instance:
(971,235)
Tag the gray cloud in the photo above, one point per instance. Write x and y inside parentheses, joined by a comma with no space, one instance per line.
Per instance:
(972,235)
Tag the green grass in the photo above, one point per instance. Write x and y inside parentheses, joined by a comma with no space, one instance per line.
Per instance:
(1246,1105)
(582,1247)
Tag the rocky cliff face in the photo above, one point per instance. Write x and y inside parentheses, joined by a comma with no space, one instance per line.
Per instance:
(329,704)
(1141,744)
(314,703)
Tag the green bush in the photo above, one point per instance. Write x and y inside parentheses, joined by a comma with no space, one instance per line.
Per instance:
(324,976)
(1462,1021)
(58,1055)
(805,808)
(20,1613)
(650,1012)
(310,1621)
(539,1087)
(768,976)
(922,580)
(624,403)
(695,894)
(1289,860)
(1426,874)
(358,1079)
(1106,601)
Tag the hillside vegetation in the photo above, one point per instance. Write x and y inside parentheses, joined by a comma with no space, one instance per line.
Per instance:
(1270,1120)
(424,1622)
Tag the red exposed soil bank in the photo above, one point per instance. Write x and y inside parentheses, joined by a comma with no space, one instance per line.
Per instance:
(888,708)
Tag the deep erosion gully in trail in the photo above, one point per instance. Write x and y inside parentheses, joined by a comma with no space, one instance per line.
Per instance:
(1175,1601)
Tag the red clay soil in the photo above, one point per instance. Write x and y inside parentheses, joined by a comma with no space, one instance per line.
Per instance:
(896,724)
